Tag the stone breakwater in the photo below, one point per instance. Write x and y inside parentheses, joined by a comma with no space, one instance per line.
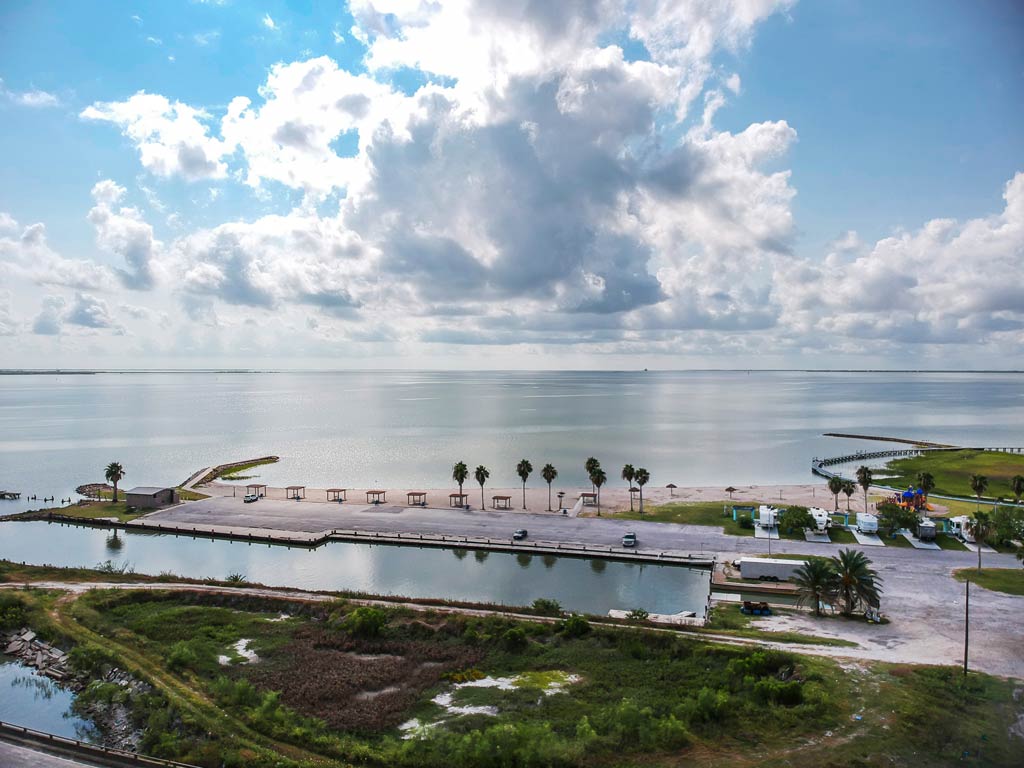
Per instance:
(111,715)
(25,646)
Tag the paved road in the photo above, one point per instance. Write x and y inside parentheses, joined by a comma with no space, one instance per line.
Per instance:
(925,604)
(13,756)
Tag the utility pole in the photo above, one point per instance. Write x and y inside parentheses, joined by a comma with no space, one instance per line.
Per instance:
(967,623)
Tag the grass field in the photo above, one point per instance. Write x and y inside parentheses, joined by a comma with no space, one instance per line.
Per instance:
(1008,580)
(692,513)
(333,683)
(841,536)
(948,541)
(240,472)
(952,471)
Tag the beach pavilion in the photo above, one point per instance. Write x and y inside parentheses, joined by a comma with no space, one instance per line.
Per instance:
(337,494)
(256,489)
(376,497)
(295,492)
(458,500)
(416,498)
(501,502)
(589,499)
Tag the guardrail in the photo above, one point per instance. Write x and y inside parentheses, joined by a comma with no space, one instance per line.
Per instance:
(93,753)
(525,547)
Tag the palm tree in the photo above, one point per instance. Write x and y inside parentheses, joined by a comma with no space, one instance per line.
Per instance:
(926,482)
(1017,486)
(481,475)
(523,469)
(980,527)
(590,465)
(979,483)
(597,480)
(628,473)
(641,477)
(114,474)
(815,580)
(864,481)
(459,474)
(848,488)
(856,581)
(549,473)
(835,487)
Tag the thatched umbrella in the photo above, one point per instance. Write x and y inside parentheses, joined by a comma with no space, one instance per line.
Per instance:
(672,489)
(730,491)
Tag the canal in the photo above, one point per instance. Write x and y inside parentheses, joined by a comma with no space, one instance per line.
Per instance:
(582,585)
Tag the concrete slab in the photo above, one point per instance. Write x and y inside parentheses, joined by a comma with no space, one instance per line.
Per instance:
(985,548)
(867,539)
(917,543)
(817,537)
(761,533)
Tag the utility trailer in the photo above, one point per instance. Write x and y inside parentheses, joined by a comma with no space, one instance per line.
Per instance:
(769,568)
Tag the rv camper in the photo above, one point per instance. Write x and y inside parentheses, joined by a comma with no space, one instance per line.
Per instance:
(867,523)
(925,530)
(768,516)
(822,519)
(958,526)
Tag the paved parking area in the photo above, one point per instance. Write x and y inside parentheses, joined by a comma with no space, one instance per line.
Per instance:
(917,543)
(867,539)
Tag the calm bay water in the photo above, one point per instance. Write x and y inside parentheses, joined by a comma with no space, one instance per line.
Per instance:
(590,586)
(404,429)
(34,701)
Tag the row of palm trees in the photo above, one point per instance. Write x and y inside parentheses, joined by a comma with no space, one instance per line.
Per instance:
(837,485)
(597,476)
(847,578)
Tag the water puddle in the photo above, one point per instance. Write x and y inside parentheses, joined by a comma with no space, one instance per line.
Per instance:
(546,683)
(242,650)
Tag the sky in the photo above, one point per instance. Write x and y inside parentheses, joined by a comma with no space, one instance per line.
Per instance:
(512,184)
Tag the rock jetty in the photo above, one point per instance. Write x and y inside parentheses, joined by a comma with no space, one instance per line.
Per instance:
(25,646)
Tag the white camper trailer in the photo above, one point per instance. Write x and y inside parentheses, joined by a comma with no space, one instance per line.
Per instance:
(867,523)
(822,519)
(768,516)
(958,526)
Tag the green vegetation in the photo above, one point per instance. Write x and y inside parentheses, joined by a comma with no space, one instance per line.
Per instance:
(186,495)
(628,697)
(238,471)
(952,471)
(322,694)
(1008,580)
(841,535)
(948,541)
(85,510)
(694,513)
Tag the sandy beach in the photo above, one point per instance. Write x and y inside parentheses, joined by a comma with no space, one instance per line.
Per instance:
(614,498)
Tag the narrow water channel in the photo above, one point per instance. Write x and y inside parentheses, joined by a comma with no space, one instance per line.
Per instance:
(589,586)
(32,700)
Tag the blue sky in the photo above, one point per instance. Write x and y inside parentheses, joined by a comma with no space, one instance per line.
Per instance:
(865,118)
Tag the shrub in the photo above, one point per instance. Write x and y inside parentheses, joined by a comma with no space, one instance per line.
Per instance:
(235,578)
(182,655)
(12,612)
(574,626)
(776,692)
(515,640)
(638,614)
(545,606)
(365,622)
(709,706)
(746,523)
(91,660)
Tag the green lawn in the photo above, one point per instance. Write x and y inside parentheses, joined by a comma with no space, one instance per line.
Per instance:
(948,541)
(95,509)
(896,541)
(952,471)
(841,536)
(1008,580)
(239,472)
(692,513)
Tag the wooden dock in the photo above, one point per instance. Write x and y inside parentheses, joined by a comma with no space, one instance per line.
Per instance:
(10,495)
